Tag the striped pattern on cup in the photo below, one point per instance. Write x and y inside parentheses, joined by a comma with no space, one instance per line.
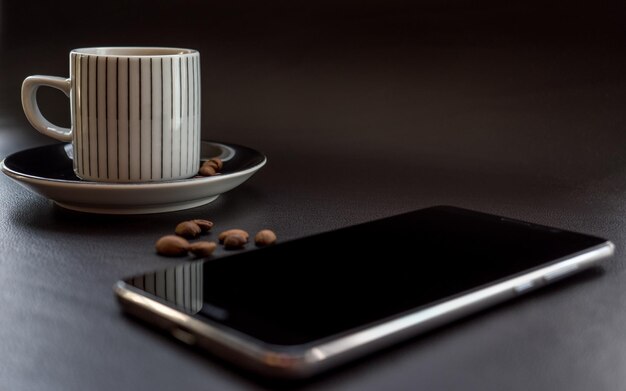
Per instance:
(182,286)
(135,118)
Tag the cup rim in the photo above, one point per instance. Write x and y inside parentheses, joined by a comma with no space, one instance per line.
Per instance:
(142,51)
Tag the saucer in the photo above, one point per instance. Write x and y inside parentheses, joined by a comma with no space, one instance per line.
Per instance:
(48,171)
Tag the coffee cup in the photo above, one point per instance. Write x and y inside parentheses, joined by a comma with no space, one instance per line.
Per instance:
(135,112)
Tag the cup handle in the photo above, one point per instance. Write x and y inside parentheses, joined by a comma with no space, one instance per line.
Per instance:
(31,109)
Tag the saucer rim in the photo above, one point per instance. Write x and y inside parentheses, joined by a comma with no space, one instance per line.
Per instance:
(129,186)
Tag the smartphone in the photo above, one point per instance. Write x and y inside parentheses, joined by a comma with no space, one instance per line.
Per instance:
(299,307)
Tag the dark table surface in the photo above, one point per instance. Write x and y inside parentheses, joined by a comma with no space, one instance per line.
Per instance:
(364,111)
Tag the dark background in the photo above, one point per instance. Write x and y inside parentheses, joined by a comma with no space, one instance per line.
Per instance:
(364,109)
(447,79)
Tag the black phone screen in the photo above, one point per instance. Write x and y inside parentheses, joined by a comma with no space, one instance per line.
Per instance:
(319,286)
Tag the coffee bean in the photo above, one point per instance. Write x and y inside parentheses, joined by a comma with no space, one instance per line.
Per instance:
(172,245)
(202,249)
(264,237)
(223,235)
(188,229)
(218,163)
(205,225)
(207,170)
(234,242)
(210,167)
(212,164)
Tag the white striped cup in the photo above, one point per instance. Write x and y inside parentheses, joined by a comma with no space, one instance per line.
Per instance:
(135,112)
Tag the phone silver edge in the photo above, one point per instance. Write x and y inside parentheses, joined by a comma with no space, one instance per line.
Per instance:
(306,360)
